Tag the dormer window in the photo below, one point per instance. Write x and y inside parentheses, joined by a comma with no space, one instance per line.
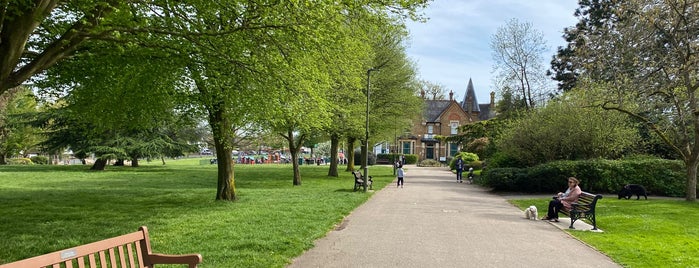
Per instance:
(430,129)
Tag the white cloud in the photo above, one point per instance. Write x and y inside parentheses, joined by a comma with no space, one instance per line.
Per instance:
(454,44)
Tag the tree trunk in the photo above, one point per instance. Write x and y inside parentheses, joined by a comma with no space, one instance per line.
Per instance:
(119,163)
(334,144)
(99,164)
(692,165)
(162,158)
(294,150)
(349,155)
(222,131)
(134,162)
(3,160)
(226,176)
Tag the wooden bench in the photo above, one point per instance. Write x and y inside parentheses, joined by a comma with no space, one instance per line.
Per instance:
(359,181)
(133,248)
(584,208)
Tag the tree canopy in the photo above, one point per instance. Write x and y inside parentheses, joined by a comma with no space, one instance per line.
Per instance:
(644,55)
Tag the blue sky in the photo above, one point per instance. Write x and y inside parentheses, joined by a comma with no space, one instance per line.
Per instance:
(454,44)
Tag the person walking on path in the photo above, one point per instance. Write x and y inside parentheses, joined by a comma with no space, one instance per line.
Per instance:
(459,169)
(400,174)
(470,175)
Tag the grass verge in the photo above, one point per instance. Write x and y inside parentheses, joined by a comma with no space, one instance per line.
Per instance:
(639,233)
(49,208)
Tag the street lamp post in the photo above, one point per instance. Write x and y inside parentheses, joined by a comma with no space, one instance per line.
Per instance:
(366,134)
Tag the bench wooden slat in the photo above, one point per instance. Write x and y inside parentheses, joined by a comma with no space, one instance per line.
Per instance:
(81,262)
(112,257)
(122,256)
(129,249)
(93,262)
(140,258)
(103,259)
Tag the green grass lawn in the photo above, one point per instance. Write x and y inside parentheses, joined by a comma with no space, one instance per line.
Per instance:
(640,233)
(49,208)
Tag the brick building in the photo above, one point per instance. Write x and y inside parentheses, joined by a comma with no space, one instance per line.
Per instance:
(444,118)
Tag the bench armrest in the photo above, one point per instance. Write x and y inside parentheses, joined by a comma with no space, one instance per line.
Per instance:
(191,259)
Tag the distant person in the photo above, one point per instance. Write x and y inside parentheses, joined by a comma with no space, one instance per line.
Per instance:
(470,175)
(400,174)
(459,169)
(565,199)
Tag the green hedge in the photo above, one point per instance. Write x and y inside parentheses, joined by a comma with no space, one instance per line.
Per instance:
(41,160)
(409,158)
(470,160)
(19,161)
(659,176)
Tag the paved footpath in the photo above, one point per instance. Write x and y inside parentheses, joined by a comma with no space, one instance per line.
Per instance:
(435,222)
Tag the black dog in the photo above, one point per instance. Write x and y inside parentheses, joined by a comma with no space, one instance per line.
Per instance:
(633,189)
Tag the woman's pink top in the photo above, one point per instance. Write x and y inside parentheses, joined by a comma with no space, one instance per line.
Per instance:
(571,198)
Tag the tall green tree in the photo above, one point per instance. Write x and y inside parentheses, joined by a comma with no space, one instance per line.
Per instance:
(17,108)
(393,86)
(36,34)
(122,99)
(644,54)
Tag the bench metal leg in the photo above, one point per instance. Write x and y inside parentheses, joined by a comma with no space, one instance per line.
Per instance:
(594,222)
(573,217)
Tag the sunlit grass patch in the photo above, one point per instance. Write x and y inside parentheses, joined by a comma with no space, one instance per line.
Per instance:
(642,233)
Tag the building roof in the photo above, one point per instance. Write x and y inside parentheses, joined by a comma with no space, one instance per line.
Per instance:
(434,108)
(485,112)
(470,95)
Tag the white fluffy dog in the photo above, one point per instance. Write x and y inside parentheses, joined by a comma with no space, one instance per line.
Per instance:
(530,213)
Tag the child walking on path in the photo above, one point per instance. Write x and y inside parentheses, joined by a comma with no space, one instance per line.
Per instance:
(400,174)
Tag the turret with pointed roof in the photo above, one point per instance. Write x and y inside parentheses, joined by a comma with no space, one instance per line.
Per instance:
(470,103)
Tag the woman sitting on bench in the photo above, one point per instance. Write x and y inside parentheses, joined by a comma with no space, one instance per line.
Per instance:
(564,199)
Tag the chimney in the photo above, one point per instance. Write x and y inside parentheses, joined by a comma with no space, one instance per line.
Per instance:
(492,99)
(422,93)
(451,95)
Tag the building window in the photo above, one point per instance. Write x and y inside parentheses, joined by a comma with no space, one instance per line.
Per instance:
(406,147)
(454,127)
(453,149)
(430,129)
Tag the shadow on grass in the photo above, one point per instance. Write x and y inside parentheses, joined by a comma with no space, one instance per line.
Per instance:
(49,208)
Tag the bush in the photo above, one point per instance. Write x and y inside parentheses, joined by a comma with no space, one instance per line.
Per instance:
(20,161)
(430,163)
(659,176)
(475,164)
(409,158)
(41,160)
(502,179)
(469,159)
(503,160)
